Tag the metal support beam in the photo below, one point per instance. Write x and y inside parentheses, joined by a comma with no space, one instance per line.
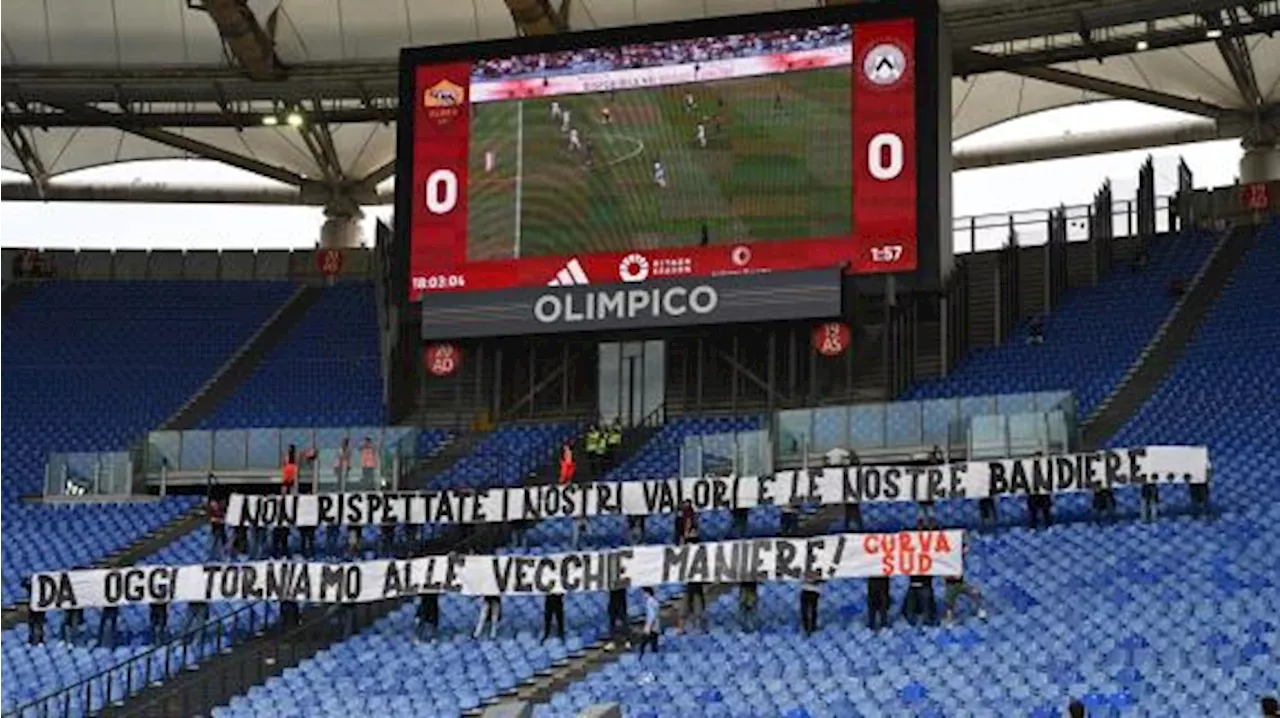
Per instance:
(74,117)
(1094,143)
(1119,90)
(195,147)
(1235,53)
(27,154)
(536,17)
(244,37)
(160,194)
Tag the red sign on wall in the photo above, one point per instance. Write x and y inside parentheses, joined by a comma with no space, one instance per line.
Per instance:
(832,339)
(1256,197)
(329,262)
(442,359)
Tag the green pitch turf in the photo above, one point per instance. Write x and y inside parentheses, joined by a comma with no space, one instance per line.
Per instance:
(771,170)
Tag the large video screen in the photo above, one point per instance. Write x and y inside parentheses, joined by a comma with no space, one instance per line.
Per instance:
(784,149)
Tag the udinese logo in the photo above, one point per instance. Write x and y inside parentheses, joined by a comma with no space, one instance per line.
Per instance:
(885,64)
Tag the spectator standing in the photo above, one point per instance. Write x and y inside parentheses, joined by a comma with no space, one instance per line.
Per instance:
(987,517)
(1200,495)
(618,625)
(308,534)
(217,530)
(651,627)
(956,588)
(553,612)
(741,518)
(159,623)
(1104,505)
(920,601)
(35,619)
(595,450)
(196,617)
(878,602)
(289,472)
(428,615)
(1150,501)
(790,519)
(107,626)
(1076,710)
(694,607)
(368,463)
(568,468)
(1040,510)
(749,606)
(342,464)
(687,530)
(1035,330)
(72,623)
(810,592)
(491,613)
(636,529)
(1270,707)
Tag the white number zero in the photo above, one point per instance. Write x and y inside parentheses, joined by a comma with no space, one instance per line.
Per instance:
(882,167)
(442,191)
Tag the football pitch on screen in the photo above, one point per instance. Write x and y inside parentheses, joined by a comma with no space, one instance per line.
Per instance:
(776,165)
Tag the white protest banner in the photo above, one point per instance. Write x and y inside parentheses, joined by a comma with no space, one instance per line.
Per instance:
(934,553)
(1108,468)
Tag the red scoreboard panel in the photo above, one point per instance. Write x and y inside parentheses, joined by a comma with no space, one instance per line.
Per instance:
(446,92)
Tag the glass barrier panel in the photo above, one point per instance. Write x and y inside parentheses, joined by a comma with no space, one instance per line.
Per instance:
(987,438)
(718,453)
(936,418)
(830,429)
(866,426)
(118,474)
(265,449)
(331,438)
(164,448)
(1027,434)
(753,453)
(299,438)
(1059,432)
(794,429)
(691,457)
(55,475)
(230,450)
(329,471)
(971,406)
(1015,403)
(903,424)
(197,451)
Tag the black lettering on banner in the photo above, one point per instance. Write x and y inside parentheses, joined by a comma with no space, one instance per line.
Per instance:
(618,577)
(524,573)
(478,499)
(333,582)
(53,592)
(1137,467)
(701,491)
(698,564)
(913,475)
(503,572)
(659,498)
(764,496)
(785,560)
(608,498)
(530,510)
(933,479)
(997,481)
(812,551)
(756,567)
(352,513)
(571,570)
(675,563)
(838,557)
(1088,474)
(850,492)
(811,494)
(595,572)
(453,573)
(394,584)
(249,587)
(1111,462)
(444,509)
(958,473)
(727,562)
(212,575)
(324,509)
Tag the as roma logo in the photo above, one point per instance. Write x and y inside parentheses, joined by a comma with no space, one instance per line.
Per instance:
(444,101)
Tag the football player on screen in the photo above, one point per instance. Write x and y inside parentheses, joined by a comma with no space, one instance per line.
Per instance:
(701,135)
(659,174)
(555,110)
(606,116)
(575,142)
(690,104)
(564,120)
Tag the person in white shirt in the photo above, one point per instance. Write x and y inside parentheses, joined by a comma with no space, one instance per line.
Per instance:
(575,142)
(651,627)
(490,612)
(565,120)
(555,110)
(702,135)
(659,175)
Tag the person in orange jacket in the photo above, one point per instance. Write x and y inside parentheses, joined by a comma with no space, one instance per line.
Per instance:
(567,466)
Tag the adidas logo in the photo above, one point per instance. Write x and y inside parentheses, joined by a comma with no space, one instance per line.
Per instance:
(572,275)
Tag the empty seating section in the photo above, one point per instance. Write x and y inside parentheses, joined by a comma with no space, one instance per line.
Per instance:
(1112,322)
(92,366)
(506,456)
(1175,617)
(326,371)
(34,671)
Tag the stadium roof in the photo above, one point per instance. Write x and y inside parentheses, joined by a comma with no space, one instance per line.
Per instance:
(91,83)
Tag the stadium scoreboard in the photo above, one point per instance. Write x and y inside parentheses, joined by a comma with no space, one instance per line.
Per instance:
(662,158)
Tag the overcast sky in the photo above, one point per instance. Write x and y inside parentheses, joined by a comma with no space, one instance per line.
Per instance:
(997,190)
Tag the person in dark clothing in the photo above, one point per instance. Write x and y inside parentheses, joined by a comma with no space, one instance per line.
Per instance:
(1104,505)
(878,602)
(280,542)
(651,626)
(695,607)
(290,613)
(159,623)
(387,539)
(1200,495)
(810,592)
(217,530)
(428,615)
(1150,501)
(687,524)
(740,519)
(706,236)
(1076,710)
(240,540)
(553,612)
(1035,330)
(35,619)
(920,601)
(618,624)
(987,512)
(1040,510)
(1270,707)
(196,616)
(789,521)
(72,623)
(749,606)
(308,534)
(853,516)
(107,626)
(636,526)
